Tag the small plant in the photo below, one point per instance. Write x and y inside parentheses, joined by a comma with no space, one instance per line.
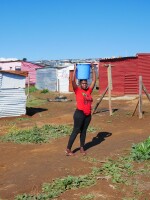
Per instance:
(90,159)
(141,151)
(44,91)
(32,89)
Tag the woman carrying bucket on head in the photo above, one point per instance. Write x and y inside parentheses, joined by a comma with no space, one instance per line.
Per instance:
(82,114)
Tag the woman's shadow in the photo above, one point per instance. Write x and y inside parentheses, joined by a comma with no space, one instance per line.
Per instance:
(100,137)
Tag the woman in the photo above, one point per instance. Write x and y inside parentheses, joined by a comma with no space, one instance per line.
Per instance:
(82,115)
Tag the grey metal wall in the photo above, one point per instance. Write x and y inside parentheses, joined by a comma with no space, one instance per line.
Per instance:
(12,102)
(46,78)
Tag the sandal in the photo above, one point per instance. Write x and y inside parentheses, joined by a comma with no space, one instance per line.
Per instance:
(68,152)
(82,151)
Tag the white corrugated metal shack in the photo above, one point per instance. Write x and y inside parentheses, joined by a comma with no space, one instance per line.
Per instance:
(54,78)
(12,93)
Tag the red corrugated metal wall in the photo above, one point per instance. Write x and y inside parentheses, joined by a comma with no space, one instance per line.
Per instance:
(124,76)
(144,69)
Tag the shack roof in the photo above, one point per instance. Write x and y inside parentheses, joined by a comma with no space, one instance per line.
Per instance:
(21,73)
(117,59)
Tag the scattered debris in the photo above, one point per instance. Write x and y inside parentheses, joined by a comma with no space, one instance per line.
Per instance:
(59,99)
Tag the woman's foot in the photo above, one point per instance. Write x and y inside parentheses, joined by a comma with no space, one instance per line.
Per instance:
(68,152)
(82,151)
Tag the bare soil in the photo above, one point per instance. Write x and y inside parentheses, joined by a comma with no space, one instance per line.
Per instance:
(25,167)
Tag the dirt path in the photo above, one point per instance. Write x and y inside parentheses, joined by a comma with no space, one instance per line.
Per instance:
(24,168)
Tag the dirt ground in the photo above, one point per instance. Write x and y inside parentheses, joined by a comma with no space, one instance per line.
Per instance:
(25,167)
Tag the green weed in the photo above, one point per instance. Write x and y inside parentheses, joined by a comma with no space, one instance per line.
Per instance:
(22,119)
(90,159)
(32,101)
(44,91)
(58,186)
(120,171)
(141,151)
(37,135)
(87,197)
(31,89)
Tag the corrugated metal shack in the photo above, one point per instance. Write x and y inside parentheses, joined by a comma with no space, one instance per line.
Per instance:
(12,93)
(19,65)
(31,69)
(125,73)
(55,77)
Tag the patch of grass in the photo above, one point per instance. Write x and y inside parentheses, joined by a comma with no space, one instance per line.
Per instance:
(130,198)
(58,186)
(31,89)
(22,119)
(123,170)
(91,129)
(90,159)
(117,170)
(32,101)
(87,197)
(44,91)
(37,135)
(141,151)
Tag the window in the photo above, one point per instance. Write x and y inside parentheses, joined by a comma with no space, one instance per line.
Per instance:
(18,68)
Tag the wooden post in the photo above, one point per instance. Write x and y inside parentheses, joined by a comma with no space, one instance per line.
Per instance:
(58,88)
(140,97)
(109,87)
(28,86)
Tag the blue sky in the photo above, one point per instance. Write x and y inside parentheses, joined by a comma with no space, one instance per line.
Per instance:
(73,29)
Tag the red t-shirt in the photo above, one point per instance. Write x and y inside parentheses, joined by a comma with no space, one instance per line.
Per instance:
(84,100)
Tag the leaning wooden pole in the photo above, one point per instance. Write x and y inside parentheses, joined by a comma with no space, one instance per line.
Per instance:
(135,108)
(146,92)
(99,100)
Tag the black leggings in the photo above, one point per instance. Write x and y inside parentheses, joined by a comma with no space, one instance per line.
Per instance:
(81,123)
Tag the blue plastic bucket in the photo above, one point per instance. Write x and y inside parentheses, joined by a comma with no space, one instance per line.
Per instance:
(83,71)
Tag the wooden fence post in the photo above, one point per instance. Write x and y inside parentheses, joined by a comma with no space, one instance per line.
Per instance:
(28,86)
(140,97)
(109,87)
